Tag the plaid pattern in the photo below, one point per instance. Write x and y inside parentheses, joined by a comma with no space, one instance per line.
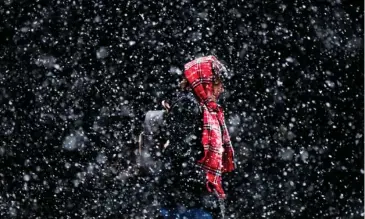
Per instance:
(218,150)
(200,74)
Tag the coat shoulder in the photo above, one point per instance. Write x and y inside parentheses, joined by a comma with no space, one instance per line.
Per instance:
(186,103)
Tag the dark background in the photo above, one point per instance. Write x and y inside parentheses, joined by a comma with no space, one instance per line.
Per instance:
(77,76)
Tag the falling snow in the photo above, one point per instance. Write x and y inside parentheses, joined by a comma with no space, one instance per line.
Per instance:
(77,77)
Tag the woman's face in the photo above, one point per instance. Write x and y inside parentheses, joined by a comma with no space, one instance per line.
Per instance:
(217,89)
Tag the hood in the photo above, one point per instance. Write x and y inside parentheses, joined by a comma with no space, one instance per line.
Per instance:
(200,73)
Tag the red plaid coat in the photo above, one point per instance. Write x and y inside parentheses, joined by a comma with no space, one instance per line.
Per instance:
(218,150)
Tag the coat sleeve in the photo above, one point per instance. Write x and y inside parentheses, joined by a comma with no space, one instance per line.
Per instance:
(183,129)
(181,182)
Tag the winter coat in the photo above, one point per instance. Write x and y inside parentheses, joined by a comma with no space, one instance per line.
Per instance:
(181,182)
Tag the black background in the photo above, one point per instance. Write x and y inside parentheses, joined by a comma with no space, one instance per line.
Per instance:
(83,73)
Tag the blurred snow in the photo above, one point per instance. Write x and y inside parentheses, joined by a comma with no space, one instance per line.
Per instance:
(287,154)
(102,53)
(77,77)
(73,141)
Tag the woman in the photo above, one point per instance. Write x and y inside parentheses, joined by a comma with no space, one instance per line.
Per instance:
(200,149)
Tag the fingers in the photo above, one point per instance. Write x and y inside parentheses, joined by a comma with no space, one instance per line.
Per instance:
(166,105)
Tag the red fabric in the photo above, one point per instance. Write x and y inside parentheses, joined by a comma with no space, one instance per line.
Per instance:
(218,150)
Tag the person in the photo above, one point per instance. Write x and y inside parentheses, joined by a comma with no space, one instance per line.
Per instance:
(199,149)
